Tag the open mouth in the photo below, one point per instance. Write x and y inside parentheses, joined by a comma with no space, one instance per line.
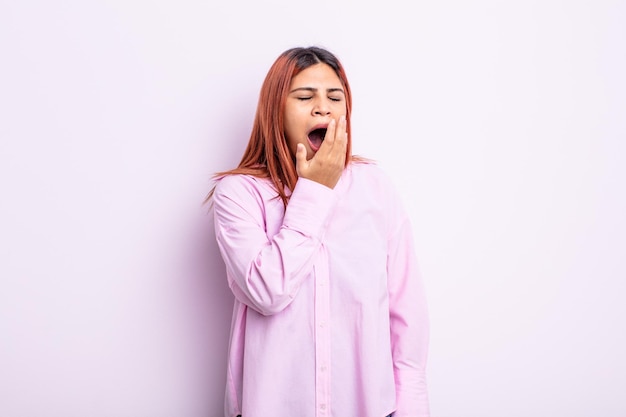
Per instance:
(316,137)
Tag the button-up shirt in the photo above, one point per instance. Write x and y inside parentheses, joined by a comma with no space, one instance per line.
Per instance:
(330,315)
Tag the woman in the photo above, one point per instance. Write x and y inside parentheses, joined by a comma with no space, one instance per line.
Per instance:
(330,315)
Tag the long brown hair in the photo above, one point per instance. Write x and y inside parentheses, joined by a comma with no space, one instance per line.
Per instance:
(267,154)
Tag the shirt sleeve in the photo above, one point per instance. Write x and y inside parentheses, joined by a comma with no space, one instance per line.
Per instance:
(409,324)
(265,273)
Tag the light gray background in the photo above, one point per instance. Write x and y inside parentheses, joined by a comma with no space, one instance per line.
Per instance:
(502,124)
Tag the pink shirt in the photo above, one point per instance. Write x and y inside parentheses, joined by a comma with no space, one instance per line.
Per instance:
(330,316)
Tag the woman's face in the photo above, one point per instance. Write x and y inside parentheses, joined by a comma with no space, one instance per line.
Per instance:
(315,97)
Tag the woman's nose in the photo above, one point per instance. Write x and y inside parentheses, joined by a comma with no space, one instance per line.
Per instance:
(321,108)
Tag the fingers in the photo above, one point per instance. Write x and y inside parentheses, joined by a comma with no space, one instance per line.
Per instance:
(341,136)
(336,138)
(300,158)
(328,163)
(330,132)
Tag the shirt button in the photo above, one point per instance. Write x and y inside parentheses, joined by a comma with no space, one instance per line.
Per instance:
(323,369)
(323,406)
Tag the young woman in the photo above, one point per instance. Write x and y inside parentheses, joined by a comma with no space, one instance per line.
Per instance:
(330,315)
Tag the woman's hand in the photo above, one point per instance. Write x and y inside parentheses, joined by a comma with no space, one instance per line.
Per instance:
(328,163)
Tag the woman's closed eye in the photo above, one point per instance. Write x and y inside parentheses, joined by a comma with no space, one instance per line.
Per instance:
(309,98)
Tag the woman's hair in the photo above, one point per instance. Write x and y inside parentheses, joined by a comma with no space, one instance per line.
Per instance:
(267,153)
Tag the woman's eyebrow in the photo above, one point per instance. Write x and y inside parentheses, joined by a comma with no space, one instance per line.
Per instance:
(313,90)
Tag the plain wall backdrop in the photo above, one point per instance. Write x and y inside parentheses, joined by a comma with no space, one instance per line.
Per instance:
(502,124)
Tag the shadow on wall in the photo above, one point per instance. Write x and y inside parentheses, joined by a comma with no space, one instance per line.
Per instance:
(206,299)
(207,303)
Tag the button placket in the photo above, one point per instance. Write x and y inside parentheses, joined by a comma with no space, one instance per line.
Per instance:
(322,337)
